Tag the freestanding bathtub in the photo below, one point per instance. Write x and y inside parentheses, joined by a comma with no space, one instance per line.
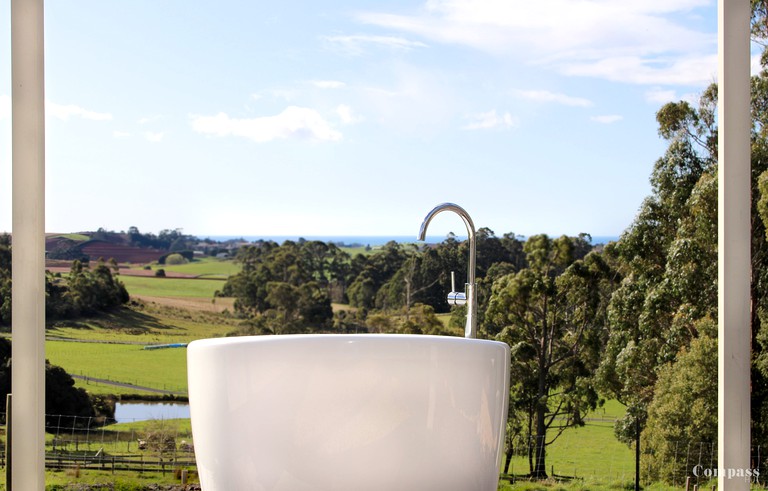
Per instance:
(348,412)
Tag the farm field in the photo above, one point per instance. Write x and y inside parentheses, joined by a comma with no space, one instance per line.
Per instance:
(591,451)
(169,310)
(210,268)
(162,369)
(171,287)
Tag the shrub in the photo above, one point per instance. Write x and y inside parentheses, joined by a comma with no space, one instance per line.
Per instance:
(175,259)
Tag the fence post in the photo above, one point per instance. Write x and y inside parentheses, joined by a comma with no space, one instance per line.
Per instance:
(637,454)
(8,427)
(687,483)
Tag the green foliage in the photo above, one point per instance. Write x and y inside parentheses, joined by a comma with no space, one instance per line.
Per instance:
(668,262)
(286,288)
(684,408)
(552,314)
(421,319)
(86,292)
(61,395)
(5,279)
(173,240)
(175,259)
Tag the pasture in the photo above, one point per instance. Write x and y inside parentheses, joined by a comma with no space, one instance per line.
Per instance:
(171,287)
(162,369)
(590,452)
(207,267)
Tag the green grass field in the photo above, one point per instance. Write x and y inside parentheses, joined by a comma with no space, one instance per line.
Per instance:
(207,267)
(147,324)
(589,452)
(171,287)
(160,369)
(75,237)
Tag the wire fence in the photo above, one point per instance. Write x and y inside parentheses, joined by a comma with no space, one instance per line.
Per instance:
(578,455)
(591,455)
(83,443)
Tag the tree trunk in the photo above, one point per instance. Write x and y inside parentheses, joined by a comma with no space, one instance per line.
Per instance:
(530,435)
(540,471)
(637,454)
(407,300)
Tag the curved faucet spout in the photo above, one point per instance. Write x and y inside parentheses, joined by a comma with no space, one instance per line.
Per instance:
(470,330)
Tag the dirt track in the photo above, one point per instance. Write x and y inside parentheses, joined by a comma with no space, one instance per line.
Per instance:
(197,304)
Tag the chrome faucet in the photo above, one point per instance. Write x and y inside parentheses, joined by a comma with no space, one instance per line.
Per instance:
(469,296)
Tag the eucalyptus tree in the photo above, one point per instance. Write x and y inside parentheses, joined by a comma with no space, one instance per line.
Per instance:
(551,313)
(668,261)
(374,271)
(285,287)
(683,412)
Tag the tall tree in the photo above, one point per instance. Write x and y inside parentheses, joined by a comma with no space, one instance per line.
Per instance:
(668,260)
(552,316)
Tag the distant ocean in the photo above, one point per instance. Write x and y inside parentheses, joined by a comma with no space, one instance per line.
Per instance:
(362,240)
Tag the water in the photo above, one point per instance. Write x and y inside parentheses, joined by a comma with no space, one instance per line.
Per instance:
(363,240)
(126,412)
(349,240)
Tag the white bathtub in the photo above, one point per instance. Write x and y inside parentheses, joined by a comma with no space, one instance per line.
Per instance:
(348,412)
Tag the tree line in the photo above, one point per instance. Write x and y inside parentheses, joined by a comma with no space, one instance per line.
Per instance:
(85,291)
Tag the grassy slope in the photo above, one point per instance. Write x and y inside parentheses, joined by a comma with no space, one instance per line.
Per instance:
(205,267)
(160,369)
(589,452)
(147,324)
(171,287)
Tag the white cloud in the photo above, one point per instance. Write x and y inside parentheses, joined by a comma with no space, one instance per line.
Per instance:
(573,36)
(5,107)
(346,114)
(355,44)
(121,134)
(607,118)
(294,122)
(328,84)
(490,120)
(154,137)
(64,112)
(658,95)
(546,96)
(692,70)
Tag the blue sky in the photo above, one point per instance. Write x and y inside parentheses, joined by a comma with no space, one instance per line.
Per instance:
(356,118)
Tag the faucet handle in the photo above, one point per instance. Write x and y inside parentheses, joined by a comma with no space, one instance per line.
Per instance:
(456,298)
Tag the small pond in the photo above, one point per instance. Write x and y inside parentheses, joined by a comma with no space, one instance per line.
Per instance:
(126,412)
